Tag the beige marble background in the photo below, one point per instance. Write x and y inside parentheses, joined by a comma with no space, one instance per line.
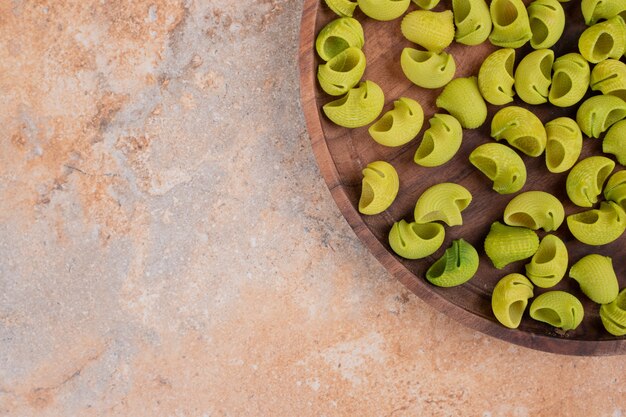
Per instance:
(168,247)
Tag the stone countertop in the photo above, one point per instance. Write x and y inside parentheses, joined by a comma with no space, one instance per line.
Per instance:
(169,248)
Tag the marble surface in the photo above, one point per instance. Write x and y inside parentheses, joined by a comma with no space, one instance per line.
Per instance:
(169,248)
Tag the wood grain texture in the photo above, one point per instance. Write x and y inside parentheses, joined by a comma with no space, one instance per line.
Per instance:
(342,154)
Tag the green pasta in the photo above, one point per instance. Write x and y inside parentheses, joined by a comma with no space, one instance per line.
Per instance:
(426,4)
(549,264)
(506,244)
(442,202)
(547,21)
(338,35)
(344,8)
(510,298)
(596,277)
(441,141)
(359,107)
(520,128)
(500,164)
(535,210)
(342,72)
(564,144)
(416,241)
(615,189)
(462,99)
(432,30)
(598,113)
(558,309)
(532,76)
(609,77)
(511,26)
(384,9)
(427,69)
(613,315)
(400,125)
(570,80)
(379,188)
(595,10)
(495,76)
(584,182)
(472,20)
(598,226)
(457,266)
(614,141)
(603,40)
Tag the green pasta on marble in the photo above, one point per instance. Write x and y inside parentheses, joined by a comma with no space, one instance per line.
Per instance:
(521,128)
(549,264)
(338,35)
(509,299)
(462,99)
(416,241)
(598,226)
(500,164)
(472,20)
(564,144)
(457,265)
(532,76)
(399,125)
(427,69)
(511,25)
(379,189)
(441,141)
(495,76)
(506,244)
(596,277)
(442,202)
(559,309)
(360,106)
(584,182)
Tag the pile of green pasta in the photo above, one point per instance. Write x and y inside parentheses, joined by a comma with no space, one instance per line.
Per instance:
(538,78)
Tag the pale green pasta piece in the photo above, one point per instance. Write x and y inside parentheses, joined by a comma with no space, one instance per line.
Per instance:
(613,315)
(535,210)
(462,99)
(510,298)
(570,80)
(532,76)
(584,182)
(400,125)
(511,26)
(603,40)
(338,35)
(379,189)
(472,20)
(549,264)
(595,10)
(506,244)
(342,72)
(598,226)
(359,107)
(615,189)
(609,77)
(344,8)
(495,76)
(457,265)
(384,9)
(440,142)
(432,30)
(598,113)
(564,144)
(596,277)
(520,128)
(614,141)
(427,69)
(547,21)
(442,202)
(558,309)
(416,241)
(500,164)
(426,4)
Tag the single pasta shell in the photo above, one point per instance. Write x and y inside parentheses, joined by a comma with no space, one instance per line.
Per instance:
(507,244)
(400,125)
(547,21)
(495,76)
(603,40)
(510,298)
(416,241)
(570,80)
(343,8)
(535,210)
(462,99)
(558,309)
(427,69)
(379,187)
(442,202)
(613,315)
(359,107)
(532,76)
(432,30)
(598,113)
(614,141)
(598,226)
(342,72)
(520,128)
(441,141)
(549,264)
(500,164)
(337,36)
(457,266)
(384,9)
(595,10)
(511,26)
(564,144)
(472,20)
(615,189)
(584,182)
(596,277)
(609,77)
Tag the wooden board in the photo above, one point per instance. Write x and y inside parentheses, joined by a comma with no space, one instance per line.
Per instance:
(342,154)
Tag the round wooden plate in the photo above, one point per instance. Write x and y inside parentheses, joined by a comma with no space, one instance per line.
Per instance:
(343,153)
